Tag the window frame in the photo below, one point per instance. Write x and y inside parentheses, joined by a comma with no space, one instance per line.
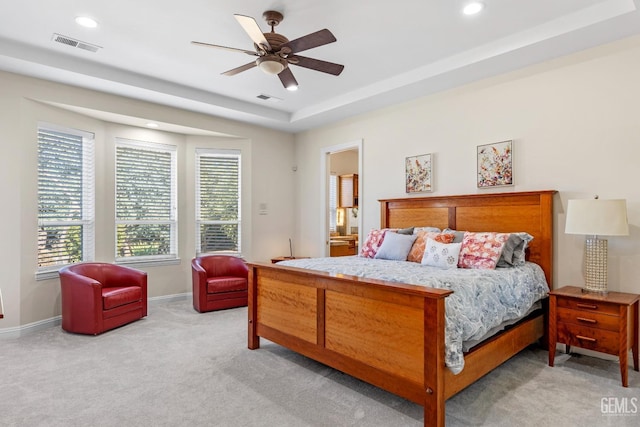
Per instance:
(213,152)
(88,221)
(172,257)
(333,202)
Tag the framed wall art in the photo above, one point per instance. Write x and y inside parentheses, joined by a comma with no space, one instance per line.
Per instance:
(419,171)
(495,164)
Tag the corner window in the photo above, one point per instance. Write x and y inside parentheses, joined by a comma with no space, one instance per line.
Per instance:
(66,204)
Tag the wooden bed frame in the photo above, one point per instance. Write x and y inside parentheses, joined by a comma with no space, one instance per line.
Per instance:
(389,334)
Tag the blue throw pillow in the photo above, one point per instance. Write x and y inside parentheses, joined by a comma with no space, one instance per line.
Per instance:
(395,246)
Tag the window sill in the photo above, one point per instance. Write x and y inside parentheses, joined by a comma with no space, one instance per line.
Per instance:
(149,263)
(53,274)
(46,275)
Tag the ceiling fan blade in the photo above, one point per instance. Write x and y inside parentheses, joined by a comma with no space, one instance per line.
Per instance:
(251,27)
(287,79)
(233,49)
(317,65)
(240,69)
(319,38)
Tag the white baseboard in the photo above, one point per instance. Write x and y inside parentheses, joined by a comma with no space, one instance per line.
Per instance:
(29,328)
(169,298)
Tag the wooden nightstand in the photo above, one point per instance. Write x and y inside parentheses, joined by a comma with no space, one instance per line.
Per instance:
(602,322)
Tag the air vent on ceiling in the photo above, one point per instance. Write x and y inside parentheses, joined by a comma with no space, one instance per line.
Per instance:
(268,98)
(59,38)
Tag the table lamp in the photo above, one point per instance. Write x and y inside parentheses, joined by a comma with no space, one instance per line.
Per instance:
(596,217)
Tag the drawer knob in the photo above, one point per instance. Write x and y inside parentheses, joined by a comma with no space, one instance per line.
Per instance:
(582,338)
(589,306)
(583,319)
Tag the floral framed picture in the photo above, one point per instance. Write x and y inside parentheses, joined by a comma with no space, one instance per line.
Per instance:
(419,171)
(495,164)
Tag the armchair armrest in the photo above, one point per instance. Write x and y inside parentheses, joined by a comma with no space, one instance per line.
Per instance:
(199,285)
(87,295)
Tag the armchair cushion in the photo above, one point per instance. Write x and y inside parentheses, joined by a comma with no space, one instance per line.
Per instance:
(226,284)
(117,296)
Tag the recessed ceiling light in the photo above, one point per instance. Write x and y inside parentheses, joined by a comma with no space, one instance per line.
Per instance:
(152,125)
(473,8)
(87,22)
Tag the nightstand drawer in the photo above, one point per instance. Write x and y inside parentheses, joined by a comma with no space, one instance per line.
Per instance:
(589,319)
(589,338)
(589,305)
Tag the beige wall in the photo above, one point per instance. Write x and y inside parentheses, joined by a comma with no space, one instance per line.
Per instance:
(575,123)
(268,178)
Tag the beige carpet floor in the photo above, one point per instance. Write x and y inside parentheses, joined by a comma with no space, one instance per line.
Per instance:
(181,368)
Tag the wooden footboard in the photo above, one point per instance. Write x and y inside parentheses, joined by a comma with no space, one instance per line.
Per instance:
(389,335)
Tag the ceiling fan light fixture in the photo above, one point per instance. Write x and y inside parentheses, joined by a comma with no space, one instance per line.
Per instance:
(271,64)
(292,87)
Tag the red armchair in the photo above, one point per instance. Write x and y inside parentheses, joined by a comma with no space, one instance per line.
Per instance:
(219,281)
(97,297)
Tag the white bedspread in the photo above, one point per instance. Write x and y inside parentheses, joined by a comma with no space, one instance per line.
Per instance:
(482,299)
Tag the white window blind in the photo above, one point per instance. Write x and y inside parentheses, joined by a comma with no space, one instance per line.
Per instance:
(218,209)
(333,202)
(146,202)
(66,188)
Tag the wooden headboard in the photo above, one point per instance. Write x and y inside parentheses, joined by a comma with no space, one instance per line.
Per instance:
(502,212)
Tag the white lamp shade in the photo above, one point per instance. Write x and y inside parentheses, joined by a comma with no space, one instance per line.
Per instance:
(597,217)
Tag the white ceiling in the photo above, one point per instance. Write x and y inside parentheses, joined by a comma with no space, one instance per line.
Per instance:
(392,51)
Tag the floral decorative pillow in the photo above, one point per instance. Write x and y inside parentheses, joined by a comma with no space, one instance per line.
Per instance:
(417,250)
(373,242)
(441,255)
(481,250)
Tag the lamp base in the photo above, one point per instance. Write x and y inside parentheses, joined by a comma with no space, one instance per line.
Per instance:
(596,265)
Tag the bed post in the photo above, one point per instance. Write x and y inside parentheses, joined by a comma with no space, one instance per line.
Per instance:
(434,366)
(384,214)
(253,338)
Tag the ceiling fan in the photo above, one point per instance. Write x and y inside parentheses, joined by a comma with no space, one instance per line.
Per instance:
(275,52)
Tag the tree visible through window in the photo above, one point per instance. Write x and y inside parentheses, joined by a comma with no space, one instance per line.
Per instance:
(218,201)
(65,197)
(146,211)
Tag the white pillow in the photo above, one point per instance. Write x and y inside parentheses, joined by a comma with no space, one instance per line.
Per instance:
(441,255)
(395,246)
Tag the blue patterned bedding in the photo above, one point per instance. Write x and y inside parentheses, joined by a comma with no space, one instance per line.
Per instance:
(482,299)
